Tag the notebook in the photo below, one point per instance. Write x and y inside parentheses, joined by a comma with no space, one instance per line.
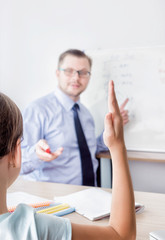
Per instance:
(92,203)
(41,205)
(15,198)
(157,235)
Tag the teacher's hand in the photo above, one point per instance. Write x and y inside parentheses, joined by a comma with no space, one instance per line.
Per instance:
(43,151)
(123,112)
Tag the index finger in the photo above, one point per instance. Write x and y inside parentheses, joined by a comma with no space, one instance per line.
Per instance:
(124,104)
(112,102)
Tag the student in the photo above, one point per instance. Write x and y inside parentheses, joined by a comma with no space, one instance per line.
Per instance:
(49,126)
(25,224)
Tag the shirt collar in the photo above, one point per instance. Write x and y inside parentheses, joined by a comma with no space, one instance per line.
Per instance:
(64,99)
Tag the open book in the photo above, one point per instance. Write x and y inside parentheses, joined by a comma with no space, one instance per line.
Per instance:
(92,203)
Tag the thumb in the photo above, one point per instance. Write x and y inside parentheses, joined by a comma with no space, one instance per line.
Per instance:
(108,124)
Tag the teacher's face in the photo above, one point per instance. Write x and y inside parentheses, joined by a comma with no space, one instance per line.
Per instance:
(71,82)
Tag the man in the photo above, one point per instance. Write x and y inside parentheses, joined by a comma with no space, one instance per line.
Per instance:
(51,148)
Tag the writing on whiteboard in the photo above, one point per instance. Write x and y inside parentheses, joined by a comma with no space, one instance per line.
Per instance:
(139,74)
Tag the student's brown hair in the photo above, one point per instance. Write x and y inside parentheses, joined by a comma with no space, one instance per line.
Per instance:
(11,125)
(76,53)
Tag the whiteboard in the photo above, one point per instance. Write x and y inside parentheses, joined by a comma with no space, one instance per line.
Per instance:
(138,74)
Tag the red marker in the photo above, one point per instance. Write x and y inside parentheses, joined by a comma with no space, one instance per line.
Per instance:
(48,150)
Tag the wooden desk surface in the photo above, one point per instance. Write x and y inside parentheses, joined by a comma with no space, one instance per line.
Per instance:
(153,217)
(138,156)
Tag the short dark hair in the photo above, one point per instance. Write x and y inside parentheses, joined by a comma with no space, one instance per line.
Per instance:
(76,53)
(11,125)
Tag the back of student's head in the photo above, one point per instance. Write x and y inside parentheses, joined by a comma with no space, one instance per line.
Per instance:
(11,127)
(76,53)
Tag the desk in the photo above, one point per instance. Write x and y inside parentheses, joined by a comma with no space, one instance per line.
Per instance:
(137,156)
(153,218)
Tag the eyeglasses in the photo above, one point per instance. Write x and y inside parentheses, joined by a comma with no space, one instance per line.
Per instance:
(71,72)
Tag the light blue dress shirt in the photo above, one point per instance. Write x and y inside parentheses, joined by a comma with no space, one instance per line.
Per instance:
(25,224)
(51,118)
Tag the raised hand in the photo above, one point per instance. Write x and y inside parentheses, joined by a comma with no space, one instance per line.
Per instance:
(113,132)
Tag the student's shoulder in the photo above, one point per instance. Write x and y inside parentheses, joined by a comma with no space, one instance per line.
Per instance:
(19,224)
(52,226)
(24,208)
(24,211)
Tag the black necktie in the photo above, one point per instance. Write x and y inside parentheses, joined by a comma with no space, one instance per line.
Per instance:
(86,161)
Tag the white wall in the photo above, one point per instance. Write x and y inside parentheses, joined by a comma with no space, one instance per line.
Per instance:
(34,32)
(146,176)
